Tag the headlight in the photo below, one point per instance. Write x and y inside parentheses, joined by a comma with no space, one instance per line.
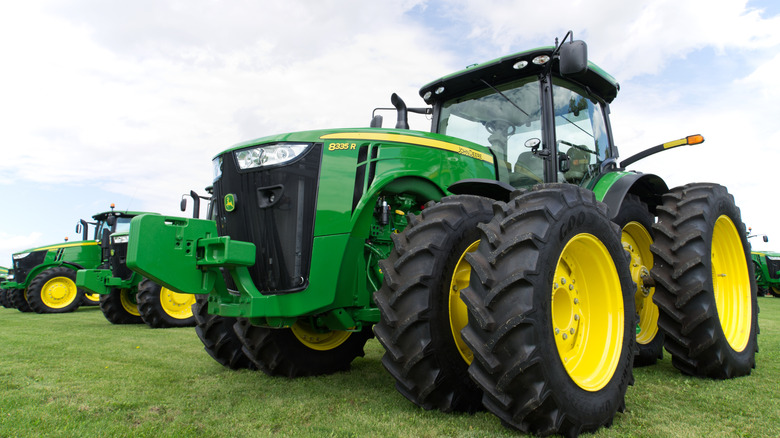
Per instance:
(774,259)
(217,163)
(121,239)
(270,155)
(21,255)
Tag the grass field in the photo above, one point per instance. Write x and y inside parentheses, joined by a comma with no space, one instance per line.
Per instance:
(77,375)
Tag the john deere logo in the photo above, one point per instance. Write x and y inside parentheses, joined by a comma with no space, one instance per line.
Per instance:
(230,202)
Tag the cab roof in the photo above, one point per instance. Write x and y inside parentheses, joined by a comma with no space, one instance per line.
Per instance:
(505,69)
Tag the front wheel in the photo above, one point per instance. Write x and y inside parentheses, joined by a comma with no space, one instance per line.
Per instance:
(551,317)
(704,284)
(161,307)
(300,350)
(119,306)
(422,313)
(17,298)
(218,337)
(54,291)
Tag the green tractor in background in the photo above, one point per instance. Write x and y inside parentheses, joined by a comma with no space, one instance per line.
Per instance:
(43,279)
(3,297)
(767,269)
(504,260)
(127,297)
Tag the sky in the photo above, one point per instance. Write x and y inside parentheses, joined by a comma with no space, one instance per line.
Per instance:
(127,102)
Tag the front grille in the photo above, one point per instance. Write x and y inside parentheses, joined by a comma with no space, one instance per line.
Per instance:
(773,265)
(22,267)
(274,209)
(117,261)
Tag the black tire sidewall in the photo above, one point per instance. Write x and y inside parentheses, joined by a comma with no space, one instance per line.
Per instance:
(578,400)
(35,290)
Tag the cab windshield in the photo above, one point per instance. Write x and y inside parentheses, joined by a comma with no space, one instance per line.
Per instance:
(507,119)
(122,224)
(503,119)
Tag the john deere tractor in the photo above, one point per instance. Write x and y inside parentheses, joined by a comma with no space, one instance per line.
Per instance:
(3,297)
(127,297)
(767,271)
(506,259)
(43,279)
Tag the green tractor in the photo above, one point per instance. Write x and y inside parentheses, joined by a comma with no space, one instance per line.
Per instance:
(3,297)
(506,259)
(127,297)
(43,279)
(767,270)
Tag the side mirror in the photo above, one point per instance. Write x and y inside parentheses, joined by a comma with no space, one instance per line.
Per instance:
(183,204)
(111,220)
(766,239)
(78,228)
(573,58)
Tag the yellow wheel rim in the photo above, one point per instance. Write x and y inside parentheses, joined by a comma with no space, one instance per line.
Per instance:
(59,292)
(731,283)
(128,302)
(587,312)
(94,298)
(318,340)
(457,308)
(176,305)
(636,241)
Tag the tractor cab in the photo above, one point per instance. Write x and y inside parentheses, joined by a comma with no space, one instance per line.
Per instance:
(542,112)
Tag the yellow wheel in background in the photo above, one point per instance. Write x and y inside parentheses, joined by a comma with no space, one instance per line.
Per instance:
(321,341)
(458,312)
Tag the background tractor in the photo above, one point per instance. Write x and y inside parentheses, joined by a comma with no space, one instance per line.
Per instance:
(127,297)
(504,260)
(43,279)
(767,272)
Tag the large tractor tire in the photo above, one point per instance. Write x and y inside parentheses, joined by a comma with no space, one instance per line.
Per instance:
(422,313)
(219,339)
(301,350)
(119,306)
(551,317)
(54,291)
(636,222)
(4,299)
(760,289)
(90,300)
(704,283)
(161,307)
(18,300)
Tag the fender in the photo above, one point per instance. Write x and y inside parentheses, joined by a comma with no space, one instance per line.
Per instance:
(489,188)
(613,187)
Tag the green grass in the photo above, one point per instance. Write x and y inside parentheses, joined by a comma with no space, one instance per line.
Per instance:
(78,375)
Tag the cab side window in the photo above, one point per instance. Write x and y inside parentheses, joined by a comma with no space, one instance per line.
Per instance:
(580,132)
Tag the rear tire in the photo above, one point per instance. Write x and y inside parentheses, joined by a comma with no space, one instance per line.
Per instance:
(219,339)
(704,283)
(421,310)
(17,299)
(282,352)
(54,291)
(160,307)
(119,306)
(4,299)
(636,222)
(551,312)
